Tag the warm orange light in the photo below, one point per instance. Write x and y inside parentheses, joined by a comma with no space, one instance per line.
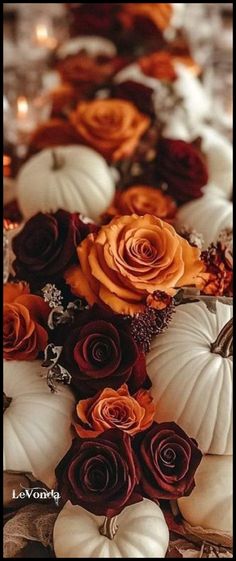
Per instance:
(41,33)
(6,165)
(22,107)
(6,160)
(43,37)
(8,225)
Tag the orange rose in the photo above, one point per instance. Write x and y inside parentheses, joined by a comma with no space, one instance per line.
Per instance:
(24,316)
(130,258)
(142,199)
(112,126)
(189,62)
(114,409)
(159,65)
(159,14)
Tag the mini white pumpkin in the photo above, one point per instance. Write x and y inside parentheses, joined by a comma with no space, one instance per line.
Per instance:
(36,421)
(91,44)
(210,504)
(191,380)
(139,531)
(73,178)
(208,215)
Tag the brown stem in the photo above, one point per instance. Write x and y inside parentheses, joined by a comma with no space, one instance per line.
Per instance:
(57,163)
(6,402)
(109,527)
(223,345)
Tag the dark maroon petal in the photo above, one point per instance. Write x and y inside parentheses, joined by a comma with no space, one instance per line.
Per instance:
(168,459)
(100,474)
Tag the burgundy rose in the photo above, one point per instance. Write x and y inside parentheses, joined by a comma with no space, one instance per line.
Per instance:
(47,245)
(182,167)
(93,19)
(100,473)
(168,459)
(100,352)
(140,95)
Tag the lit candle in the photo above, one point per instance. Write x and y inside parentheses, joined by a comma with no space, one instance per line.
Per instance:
(43,36)
(25,117)
(6,166)
(22,107)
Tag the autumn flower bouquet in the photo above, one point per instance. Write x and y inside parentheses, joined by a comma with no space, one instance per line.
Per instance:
(117,335)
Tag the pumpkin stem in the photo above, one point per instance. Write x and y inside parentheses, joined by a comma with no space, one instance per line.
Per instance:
(6,402)
(109,527)
(57,162)
(223,345)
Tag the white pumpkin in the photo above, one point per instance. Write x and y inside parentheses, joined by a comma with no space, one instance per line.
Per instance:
(142,532)
(208,215)
(73,178)
(92,44)
(36,422)
(210,504)
(191,384)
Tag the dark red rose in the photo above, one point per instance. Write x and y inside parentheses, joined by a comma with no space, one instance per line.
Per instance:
(168,459)
(93,19)
(100,474)
(140,95)
(47,245)
(100,352)
(182,167)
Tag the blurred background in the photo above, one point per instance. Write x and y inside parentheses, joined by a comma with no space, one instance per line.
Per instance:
(33,31)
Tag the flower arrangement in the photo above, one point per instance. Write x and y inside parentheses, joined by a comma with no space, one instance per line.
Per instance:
(88,300)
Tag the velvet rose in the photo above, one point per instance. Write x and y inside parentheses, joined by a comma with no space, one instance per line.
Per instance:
(54,132)
(168,459)
(99,351)
(47,245)
(99,474)
(112,126)
(142,199)
(93,19)
(24,320)
(159,65)
(131,258)
(182,167)
(114,409)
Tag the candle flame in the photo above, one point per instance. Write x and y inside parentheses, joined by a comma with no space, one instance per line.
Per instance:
(41,32)
(22,106)
(8,225)
(6,160)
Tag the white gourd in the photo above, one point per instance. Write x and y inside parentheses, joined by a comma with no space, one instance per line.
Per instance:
(91,44)
(210,504)
(36,422)
(142,533)
(192,385)
(208,215)
(72,178)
